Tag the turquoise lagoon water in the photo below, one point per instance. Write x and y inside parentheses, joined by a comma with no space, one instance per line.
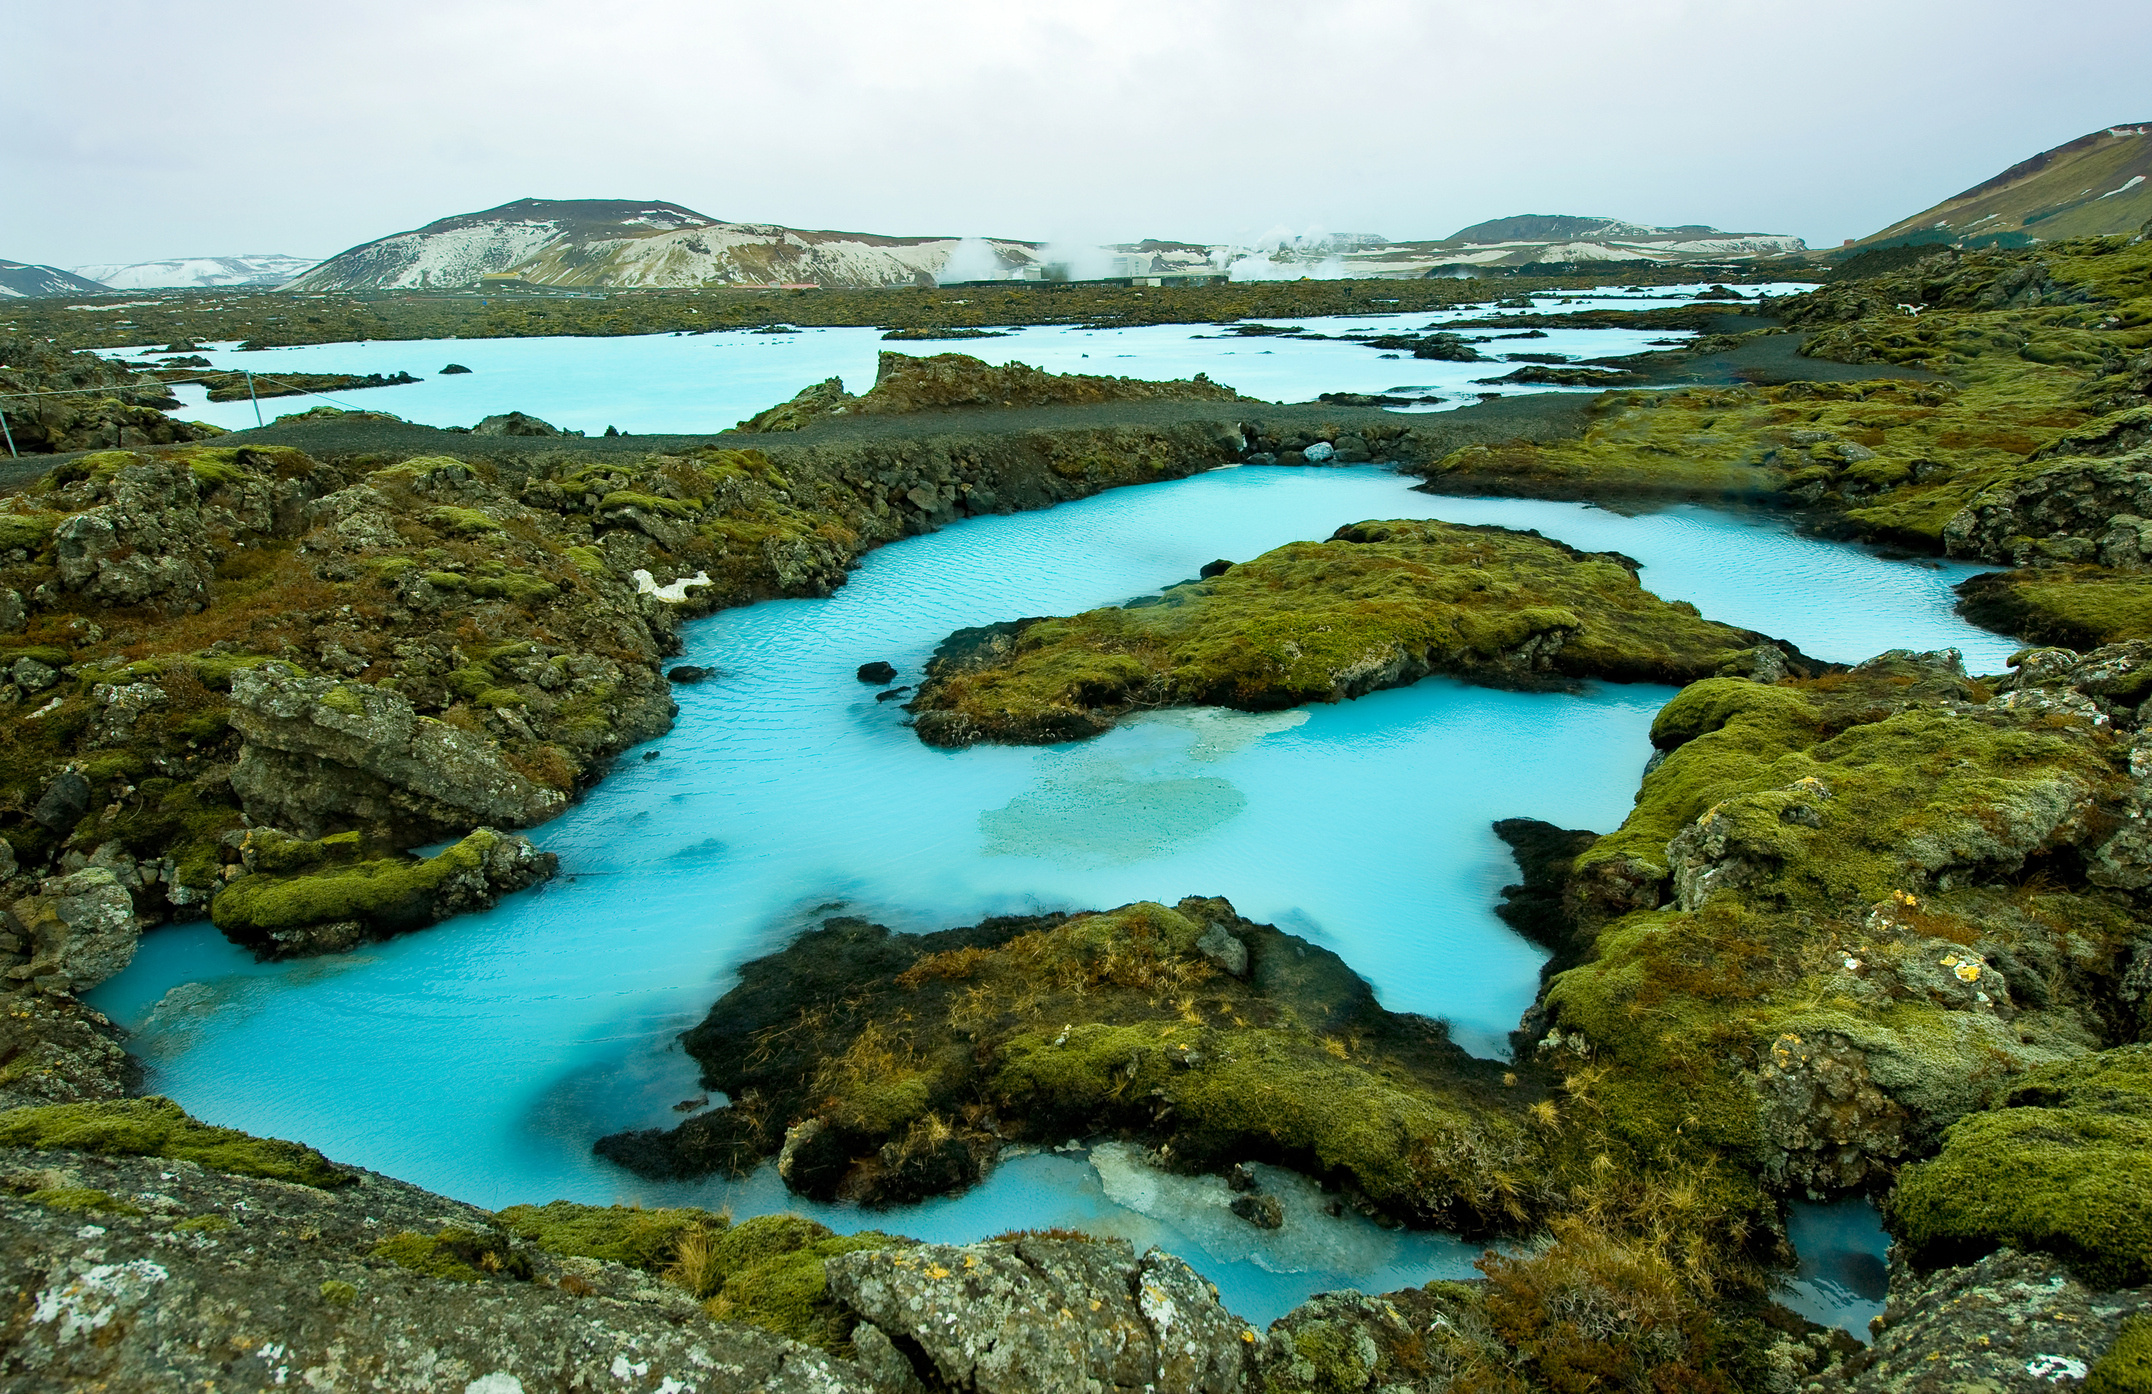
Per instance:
(481,1057)
(693,383)
(1844,1274)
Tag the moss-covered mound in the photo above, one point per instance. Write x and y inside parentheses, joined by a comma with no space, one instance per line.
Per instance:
(890,1067)
(303,897)
(769,1271)
(157,1127)
(1380,604)
(629,1234)
(906,382)
(766,1271)
(1844,909)
(2062,1166)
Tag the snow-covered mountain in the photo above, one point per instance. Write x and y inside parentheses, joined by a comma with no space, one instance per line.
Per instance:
(1550,239)
(19,280)
(608,242)
(252,269)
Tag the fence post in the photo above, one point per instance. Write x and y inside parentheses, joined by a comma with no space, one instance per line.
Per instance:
(12,454)
(252,398)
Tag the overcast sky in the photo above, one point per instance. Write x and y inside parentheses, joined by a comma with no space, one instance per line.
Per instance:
(136,131)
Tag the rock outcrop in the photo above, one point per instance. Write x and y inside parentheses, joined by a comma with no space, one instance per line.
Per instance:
(2073,511)
(1044,1315)
(322,755)
(149,1275)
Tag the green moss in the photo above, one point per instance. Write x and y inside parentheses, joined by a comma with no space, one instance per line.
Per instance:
(51,655)
(384,893)
(454,1255)
(650,503)
(588,560)
(2126,1368)
(1379,603)
(215,670)
(338,1293)
(157,1127)
(464,522)
(639,1238)
(2061,1167)
(773,1276)
(82,1199)
(2078,607)
(28,531)
(204,1224)
(343,699)
(518,586)
(445,580)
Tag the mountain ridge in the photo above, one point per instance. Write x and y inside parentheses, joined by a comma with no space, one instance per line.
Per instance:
(634,243)
(2099,184)
(24,280)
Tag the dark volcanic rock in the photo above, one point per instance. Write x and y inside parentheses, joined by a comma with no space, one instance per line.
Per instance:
(1264,1212)
(452,369)
(514,423)
(686,673)
(877,672)
(1215,568)
(64,801)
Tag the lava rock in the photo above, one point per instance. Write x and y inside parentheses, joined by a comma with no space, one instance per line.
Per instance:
(64,802)
(1215,568)
(1264,1212)
(877,672)
(686,673)
(452,369)
(1240,1177)
(892,694)
(514,423)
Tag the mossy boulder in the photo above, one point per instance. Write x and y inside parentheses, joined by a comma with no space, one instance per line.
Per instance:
(157,1127)
(629,1234)
(1380,604)
(303,898)
(2061,1165)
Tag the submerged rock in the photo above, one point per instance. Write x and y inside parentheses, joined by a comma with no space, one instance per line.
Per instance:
(878,671)
(1264,1212)
(686,673)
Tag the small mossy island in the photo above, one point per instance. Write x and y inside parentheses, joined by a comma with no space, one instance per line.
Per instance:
(1380,604)
(906,382)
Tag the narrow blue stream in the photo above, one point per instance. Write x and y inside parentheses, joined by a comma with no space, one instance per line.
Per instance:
(480,1058)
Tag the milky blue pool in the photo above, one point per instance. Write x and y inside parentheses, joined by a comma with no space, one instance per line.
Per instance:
(481,1057)
(695,383)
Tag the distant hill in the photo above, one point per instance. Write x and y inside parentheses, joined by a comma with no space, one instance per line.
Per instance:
(1562,239)
(611,242)
(253,269)
(2096,185)
(19,280)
